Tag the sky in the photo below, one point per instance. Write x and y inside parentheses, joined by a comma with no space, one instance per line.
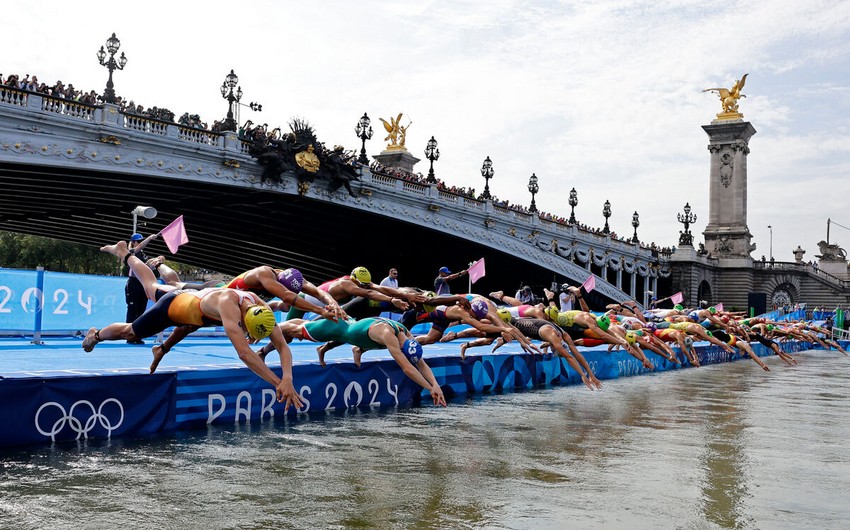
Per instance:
(602,95)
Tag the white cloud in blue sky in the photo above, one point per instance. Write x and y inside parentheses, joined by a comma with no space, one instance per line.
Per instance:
(604,96)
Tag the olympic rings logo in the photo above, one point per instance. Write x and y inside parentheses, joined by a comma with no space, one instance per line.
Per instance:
(82,426)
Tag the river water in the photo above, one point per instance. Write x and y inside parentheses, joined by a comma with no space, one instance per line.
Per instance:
(724,446)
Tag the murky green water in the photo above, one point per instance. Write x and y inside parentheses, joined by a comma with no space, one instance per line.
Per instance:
(725,446)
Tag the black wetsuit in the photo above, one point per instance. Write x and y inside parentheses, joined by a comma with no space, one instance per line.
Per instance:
(530,327)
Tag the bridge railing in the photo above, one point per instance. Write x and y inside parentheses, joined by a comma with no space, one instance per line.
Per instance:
(13,96)
(68,107)
(799,266)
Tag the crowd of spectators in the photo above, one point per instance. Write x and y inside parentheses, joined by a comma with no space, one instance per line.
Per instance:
(70,93)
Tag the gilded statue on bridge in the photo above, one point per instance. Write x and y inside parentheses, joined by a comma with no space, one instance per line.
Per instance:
(729,99)
(397,133)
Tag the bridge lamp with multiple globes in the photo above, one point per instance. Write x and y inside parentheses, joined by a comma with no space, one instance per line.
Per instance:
(487,172)
(533,188)
(606,212)
(363,129)
(635,224)
(432,153)
(112,46)
(573,201)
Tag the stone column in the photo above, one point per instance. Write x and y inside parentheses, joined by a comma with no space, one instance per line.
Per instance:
(401,159)
(727,236)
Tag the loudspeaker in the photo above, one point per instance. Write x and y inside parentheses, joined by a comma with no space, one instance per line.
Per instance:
(756,303)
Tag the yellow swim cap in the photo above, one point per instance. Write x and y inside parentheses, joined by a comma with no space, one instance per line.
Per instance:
(552,313)
(504,314)
(630,337)
(361,274)
(259,321)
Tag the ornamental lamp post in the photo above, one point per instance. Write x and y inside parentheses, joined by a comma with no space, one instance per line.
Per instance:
(112,45)
(487,173)
(232,98)
(432,153)
(606,212)
(635,224)
(363,129)
(573,203)
(686,238)
(533,188)
(771,242)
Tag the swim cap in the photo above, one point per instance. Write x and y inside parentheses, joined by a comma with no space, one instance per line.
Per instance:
(745,322)
(689,341)
(291,279)
(361,274)
(693,315)
(678,307)
(259,321)
(412,350)
(710,334)
(712,310)
(770,327)
(651,327)
(630,337)
(552,313)
(603,322)
(430,294)
(136,237)
(479,308)
(504,314)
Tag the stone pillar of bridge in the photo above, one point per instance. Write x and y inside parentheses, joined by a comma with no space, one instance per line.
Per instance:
(397,158)
(727,236)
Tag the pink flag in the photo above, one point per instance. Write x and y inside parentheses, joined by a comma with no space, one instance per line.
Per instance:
(719,307)
(476,271)
(174,235)
(677,298)
(590,283)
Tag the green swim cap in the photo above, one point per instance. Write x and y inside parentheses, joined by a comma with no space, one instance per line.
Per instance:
(678,307)
(603,322)
(770,327)
(712,310)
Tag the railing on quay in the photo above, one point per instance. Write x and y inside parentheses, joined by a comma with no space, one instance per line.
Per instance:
(800,266)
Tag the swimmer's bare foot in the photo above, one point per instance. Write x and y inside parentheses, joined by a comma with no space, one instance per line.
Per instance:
(497,295)
(158,353)
(321,350)
(118,249)
(463,348)
(91,340)
(450,336)
(358,354)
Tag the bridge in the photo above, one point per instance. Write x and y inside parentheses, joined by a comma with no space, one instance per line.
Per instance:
(75,172)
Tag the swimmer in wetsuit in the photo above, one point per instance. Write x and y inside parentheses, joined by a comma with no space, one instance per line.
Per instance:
(239,312)
(370,334)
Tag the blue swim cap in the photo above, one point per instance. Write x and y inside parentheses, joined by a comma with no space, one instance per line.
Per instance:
(479,308)
(689,342)
(693,315)
(412,350)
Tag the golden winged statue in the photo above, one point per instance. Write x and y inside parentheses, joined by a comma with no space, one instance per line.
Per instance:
(396,133)
(729,99)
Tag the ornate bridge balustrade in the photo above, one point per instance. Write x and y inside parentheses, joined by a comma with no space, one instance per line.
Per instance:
(78,140)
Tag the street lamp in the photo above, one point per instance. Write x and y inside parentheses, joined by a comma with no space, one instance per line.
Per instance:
(112,45)
(432,153)
(606,212)
(771,242)
(232,98)
(363,129)
(533,188)
(487,173)
(573,203)
(148,212)
(635,224)
(686,238)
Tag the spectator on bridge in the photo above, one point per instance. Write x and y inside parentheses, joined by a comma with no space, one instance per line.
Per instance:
(444,276)
(392,279)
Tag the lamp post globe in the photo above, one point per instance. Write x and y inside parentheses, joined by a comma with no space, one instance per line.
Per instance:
(227,86)
(487,172)
(111,64)
(573,203)
(363,129)
(432,153)
(533,188)
(606,212)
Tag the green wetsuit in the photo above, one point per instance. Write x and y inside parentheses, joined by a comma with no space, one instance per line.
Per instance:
(354,332)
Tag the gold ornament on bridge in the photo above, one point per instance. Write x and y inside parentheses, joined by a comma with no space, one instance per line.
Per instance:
(729,99)
(397,134)
(307,160)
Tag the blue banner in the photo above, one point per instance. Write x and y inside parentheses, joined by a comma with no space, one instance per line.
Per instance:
(20,300)
(80,408)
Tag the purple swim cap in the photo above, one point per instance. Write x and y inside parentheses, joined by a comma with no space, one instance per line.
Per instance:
(479,308)
(291,279)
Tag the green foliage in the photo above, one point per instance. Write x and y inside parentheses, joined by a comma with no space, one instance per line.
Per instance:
(20,251)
